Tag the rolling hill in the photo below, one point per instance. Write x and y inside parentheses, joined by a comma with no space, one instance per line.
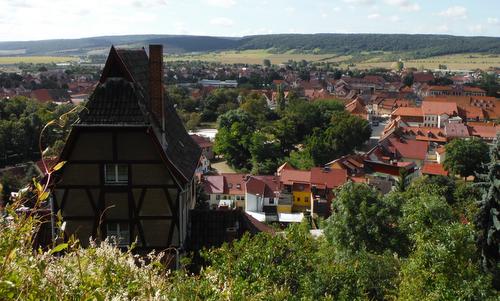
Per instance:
(416,46)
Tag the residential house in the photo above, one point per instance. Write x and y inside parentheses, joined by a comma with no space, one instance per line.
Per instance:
(485,131)
(225,190)
(357,108)
(457,90)
(474,108)
(436,114)
(409,115)
(311,189)
(205,144)
(434,169)
(130,164)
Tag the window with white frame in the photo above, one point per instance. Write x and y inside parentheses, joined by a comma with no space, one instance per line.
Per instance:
(116,174)
(119,233)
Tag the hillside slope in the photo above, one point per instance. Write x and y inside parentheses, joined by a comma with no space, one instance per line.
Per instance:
(418,46)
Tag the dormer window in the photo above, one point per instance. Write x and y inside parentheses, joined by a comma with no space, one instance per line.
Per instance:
(116,174)
(230,185)
(238,186)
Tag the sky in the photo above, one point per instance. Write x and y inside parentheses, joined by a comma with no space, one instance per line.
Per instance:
(52,19)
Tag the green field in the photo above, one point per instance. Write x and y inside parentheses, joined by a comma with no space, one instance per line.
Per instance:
(364,60)
(12,60)
(255,57)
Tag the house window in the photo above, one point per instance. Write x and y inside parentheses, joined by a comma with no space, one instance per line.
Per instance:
(217,197)
(238,186)
(119,233)
(116,173)
(298,199)
(230,185)
(271,201)
(306,199)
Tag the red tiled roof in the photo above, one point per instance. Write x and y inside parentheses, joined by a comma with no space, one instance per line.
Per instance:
(42,95)
(328,178)
(214,184)
(456,130)
(439,108)
(434,169)
(485,132)
(290,176)
(233,181)
(421,77)
(411,149)
(425,133)
(263,185)
(407,111)
(201,141)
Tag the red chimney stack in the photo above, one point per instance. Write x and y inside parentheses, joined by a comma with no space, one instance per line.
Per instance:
(156,83)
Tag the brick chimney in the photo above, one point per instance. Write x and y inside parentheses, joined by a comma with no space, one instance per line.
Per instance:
(156,83)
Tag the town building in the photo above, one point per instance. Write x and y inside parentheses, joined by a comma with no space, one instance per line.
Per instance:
(129,172)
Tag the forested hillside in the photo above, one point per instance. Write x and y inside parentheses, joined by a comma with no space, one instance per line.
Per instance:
(417,46)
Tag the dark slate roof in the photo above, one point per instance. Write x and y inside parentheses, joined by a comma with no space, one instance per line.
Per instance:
(137,63)
(181,149)
(114,102)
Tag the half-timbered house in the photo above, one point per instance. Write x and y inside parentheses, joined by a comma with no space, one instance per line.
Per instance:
(129,161)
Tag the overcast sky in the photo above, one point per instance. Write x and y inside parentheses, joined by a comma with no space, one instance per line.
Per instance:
(45,19)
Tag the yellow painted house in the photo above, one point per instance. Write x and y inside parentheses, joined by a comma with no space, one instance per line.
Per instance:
(301,195)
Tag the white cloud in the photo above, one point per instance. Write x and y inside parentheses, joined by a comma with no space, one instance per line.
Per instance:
(221,3)
(493,21)
(222,21)
(443,28)
(324,15)
(395,18)
(363,2)
(373,16)
(404,5)
(457,12)
(290,10)
(479,28)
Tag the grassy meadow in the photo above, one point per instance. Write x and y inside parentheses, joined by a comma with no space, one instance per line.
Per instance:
(12,60)
(364,60)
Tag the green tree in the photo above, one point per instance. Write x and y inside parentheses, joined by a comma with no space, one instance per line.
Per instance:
(265,152)
(266,63)
(403,180)
(233,139)
(466,157)
(488,218)
(408,79)
(444,266)
(362,220)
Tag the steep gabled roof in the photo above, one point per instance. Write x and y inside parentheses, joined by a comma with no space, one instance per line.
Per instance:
(114,102)
(122,98)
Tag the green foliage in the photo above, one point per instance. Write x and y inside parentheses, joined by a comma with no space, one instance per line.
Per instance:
(465,157)
(362,220)
(408,79)
(444,266)
(233,139)
(421,215)
(488,218)
(301,160)
(291,265)
(21,122)
(344,134)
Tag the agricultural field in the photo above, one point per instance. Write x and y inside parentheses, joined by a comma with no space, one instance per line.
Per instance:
(467,61)
(364,60)
(255,57)
(12,60)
